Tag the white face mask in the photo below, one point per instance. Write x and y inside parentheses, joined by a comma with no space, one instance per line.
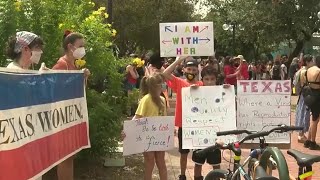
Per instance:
(35,57)
(79,53)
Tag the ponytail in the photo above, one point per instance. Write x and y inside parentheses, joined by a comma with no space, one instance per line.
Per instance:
(144,89)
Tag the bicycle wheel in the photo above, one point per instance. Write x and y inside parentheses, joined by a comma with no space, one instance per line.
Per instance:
(217,174)
(278,157)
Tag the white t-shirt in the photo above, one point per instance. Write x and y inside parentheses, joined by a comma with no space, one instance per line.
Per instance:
(13,65)
(283,72)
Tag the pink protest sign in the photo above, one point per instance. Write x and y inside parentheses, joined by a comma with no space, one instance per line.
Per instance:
(186,39)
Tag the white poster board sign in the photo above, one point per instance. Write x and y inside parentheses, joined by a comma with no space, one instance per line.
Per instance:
(207,110)
(186,39)
(148,134)
(262,103)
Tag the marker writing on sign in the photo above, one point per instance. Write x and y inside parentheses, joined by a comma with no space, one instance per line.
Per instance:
(154,142)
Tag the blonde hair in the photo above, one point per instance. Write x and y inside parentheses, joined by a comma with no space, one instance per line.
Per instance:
(149,85)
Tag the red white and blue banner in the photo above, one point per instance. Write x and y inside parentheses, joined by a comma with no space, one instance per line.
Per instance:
(43,121)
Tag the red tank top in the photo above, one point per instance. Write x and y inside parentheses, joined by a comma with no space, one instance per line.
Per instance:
(130,79)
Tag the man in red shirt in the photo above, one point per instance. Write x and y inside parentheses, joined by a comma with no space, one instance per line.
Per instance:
(190,71)
(244,73)
(231,70)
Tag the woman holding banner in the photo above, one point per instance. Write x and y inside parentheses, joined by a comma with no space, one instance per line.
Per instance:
(24,49)
(74,51)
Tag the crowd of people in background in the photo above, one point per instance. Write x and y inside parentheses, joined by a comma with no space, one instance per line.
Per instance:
(210,71)
(228,69)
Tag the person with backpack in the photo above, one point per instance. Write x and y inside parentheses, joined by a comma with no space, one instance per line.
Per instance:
(276,71)
(302,112)
(311,94)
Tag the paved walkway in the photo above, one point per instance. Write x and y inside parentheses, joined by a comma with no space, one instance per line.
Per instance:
(173,158)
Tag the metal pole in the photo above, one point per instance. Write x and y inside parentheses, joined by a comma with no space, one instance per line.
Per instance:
(233,39)
(110,3)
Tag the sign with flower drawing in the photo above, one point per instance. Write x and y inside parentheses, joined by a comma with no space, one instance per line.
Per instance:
(186,39)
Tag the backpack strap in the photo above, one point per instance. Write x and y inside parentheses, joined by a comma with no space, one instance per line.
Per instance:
(317,78)
(307,81)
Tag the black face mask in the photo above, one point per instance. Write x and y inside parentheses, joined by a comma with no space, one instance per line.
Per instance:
(190,76)
(236,64)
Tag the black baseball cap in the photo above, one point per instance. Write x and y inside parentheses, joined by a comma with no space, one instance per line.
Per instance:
(190,63)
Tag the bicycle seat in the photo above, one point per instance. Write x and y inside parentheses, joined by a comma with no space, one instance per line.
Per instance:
(302,158)
(260,174)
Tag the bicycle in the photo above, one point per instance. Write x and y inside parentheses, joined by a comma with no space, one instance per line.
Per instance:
(305,162)
(258,168)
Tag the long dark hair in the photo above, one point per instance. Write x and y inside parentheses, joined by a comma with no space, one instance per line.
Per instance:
(37,42)
(70,38)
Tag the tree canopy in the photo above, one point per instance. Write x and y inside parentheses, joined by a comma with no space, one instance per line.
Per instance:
(137,21)
(266,23)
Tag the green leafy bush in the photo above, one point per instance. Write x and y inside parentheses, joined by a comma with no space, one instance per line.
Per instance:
(49,19)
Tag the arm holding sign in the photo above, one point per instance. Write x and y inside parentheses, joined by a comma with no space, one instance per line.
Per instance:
(194,86)
(43,67)
(226,86)
(168,71)
(123,134)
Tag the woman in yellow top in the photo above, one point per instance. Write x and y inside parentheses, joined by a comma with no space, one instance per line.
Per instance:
(152,104)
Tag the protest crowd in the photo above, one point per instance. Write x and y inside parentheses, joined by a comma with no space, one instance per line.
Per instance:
(213,94)
(211,71)
(157,78)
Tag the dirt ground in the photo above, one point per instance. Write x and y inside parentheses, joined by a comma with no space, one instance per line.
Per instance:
(94,170)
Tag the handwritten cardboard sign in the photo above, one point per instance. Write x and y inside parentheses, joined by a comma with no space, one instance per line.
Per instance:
(206,111)
(264,103)
(148,134)
(186,39)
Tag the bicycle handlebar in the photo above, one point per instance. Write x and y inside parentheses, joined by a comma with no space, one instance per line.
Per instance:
(250,136)
(204,151)
(233,132)
(279,129)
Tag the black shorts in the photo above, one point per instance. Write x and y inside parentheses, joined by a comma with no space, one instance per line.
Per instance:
(182,151)
(315,110)
(213,158)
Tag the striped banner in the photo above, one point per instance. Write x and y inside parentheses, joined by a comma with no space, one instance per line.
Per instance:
(43,121)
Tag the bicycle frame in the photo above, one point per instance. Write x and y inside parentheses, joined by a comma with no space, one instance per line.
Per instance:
(266,156)
(239,169)
(305,173)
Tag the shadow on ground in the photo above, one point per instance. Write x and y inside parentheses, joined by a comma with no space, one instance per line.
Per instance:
(94,170)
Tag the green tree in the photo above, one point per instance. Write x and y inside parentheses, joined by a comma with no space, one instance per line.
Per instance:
(267,23)
(138,21)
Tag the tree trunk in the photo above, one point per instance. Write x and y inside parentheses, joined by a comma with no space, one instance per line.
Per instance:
(296,51)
